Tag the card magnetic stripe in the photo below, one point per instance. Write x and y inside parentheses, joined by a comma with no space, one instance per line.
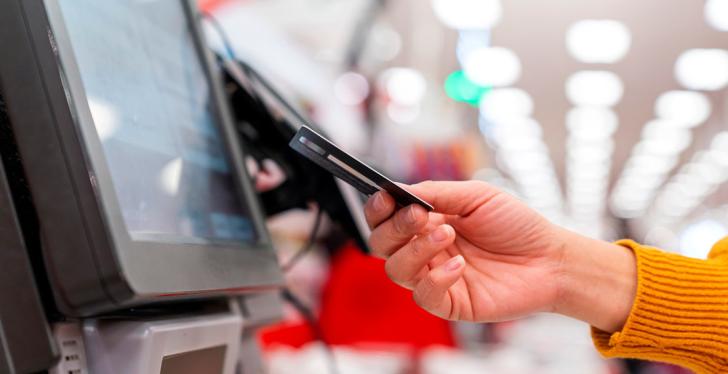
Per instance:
(400,195)
(332,168)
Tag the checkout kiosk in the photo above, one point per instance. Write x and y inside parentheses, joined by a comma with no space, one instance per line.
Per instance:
(131,239)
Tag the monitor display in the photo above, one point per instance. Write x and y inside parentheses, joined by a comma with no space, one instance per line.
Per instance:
(131,159)
(153,110)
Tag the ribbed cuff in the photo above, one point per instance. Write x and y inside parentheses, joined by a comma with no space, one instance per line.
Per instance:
(679,315)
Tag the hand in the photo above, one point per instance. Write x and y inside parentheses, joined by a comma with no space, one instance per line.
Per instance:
(267,177)
(484,256)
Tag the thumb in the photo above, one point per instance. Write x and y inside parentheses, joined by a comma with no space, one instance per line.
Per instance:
(456,197)
(430,293)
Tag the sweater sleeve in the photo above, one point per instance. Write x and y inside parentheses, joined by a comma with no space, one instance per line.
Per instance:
(680,312)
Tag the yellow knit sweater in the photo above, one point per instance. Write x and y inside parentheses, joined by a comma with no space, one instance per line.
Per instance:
(680,312)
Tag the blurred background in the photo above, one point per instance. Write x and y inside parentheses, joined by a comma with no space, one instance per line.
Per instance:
(609,117)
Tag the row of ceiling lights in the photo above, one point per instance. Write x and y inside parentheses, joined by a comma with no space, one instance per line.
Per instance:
(657,153)
(591,123)
(505,112)
(695,181)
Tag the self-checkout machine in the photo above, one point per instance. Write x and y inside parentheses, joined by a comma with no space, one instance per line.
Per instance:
(129,226)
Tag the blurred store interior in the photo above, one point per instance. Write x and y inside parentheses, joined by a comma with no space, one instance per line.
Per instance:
(609,117)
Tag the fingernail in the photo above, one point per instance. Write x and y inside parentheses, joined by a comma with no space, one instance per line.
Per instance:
(411,217)
(378,201)
(455,263)
(440,234)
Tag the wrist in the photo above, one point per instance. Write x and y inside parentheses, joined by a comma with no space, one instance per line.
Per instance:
(597,281)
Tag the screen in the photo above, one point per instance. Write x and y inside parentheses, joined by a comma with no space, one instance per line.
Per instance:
(154,114)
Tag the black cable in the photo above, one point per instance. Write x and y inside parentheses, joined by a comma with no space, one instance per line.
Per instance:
(276,95)
(249,70)
(309,243)
(220,30)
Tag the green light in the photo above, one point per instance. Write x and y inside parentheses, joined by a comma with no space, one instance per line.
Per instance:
(459,88)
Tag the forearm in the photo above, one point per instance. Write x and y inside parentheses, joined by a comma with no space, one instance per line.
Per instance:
(678,311)
(598,281)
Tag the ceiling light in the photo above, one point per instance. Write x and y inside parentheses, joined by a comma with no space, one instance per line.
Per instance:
(586,199)
(647,164)
(504,103)
(520,144)
(384,42)
(493,66)
(351,88)
(604,145)
(587,172)
(589,156)
(711,174)
(703,69)
(666,146)
(403,114)
(469,40)
(459,88)
(683,195)
(594,88)
(662,140)
(720,141)
(404,86)
(591,123)
(716,157)
(596,153)
(687,182)
(527,161)
(660,129)
(586,184)
(690,108)
(716,14)
(543,176)
(643,183)
(516,128)
(598,41)
(468,14)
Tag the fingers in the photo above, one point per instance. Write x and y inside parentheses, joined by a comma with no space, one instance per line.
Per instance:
(270,177)
(456,198)
(379,207)
(406,266)
(431,291)
(394,233)
(252,166)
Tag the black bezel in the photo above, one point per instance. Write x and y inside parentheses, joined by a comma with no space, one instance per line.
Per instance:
(129,272)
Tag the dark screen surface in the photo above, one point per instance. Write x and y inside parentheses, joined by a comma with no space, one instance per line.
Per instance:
(152,108)
(203,361)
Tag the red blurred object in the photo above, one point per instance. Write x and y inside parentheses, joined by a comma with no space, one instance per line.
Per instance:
(362,307)
(210,5)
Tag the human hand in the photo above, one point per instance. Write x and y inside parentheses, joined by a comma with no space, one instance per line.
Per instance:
(482,256)
(267,175)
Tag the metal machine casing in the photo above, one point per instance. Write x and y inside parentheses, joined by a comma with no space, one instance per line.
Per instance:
(93,266)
